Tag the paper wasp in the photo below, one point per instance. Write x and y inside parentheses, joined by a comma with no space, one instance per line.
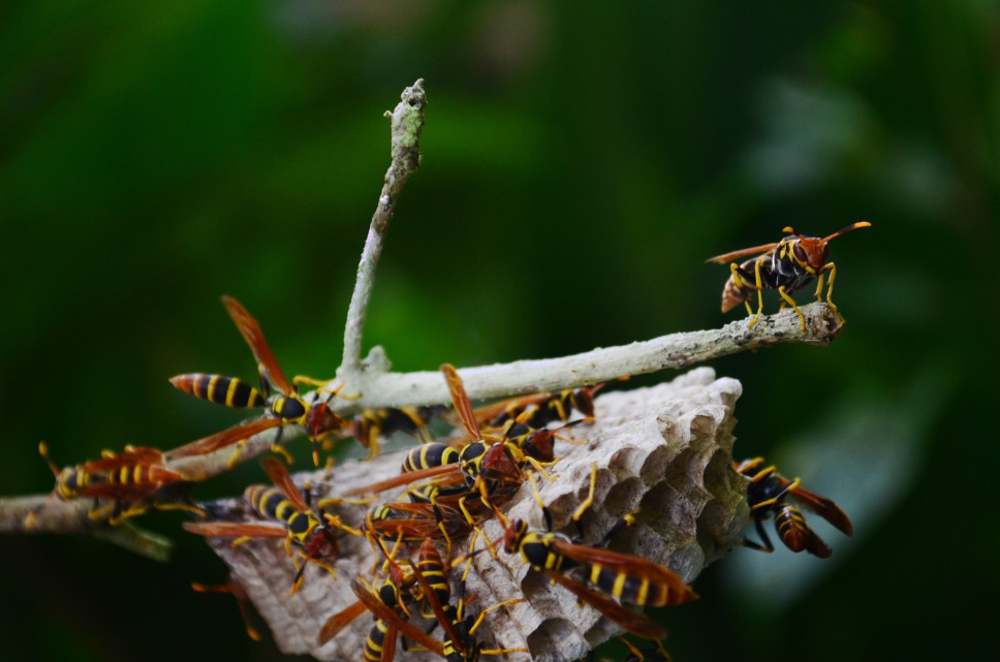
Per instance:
(370,424)
(766,494)
(291,517)
(539,409)
(284,407)
(459,644)
(131,481)
(630,579)
(786,266)
(235,589)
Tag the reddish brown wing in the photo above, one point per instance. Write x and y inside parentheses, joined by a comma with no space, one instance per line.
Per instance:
(235,529)
(278,473)
(489,412)
(461,401)
(250,330)
(388,644)
(376,607)
(406,479)
(431,598)
(823,507)
(635,566)
(225,438)
(726,258)
(339,621)
(629,621)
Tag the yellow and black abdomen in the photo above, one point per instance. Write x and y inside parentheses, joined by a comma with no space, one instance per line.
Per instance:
(270,503)
(222,390)
(427,456)
(630,590)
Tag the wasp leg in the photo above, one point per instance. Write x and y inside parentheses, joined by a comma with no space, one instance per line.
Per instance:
(99,512)
(283,452)
(482,615)
(760,294)
(178,505)
(373,447)
(791,302)
(582,508)
(546,513)
(765,545)
(832,268)
(132,510)
(819,284)
(628,520)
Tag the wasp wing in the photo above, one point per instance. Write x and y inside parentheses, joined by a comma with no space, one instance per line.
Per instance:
(634,566)
(726,258)
(225,438)
(393,619)
(339,621)
(278,474)
(823,507)
(236,529)
(406,479)
(629,621)
(254,337)
(430,597)
(461,401)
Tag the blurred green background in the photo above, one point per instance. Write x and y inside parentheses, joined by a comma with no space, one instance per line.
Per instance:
(581,160)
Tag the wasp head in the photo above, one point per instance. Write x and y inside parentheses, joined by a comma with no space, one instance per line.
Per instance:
(513,535)
(321,420)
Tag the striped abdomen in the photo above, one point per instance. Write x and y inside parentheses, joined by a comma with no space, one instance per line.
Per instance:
(630,590)
(430,455)
(375,641)
(222,390)
(792,527)
(269,502)
(432,568)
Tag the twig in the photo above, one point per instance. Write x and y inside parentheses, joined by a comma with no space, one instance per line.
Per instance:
(54,516)
(407,123)
(674,351)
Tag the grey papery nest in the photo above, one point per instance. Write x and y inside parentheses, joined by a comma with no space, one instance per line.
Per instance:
(666,450)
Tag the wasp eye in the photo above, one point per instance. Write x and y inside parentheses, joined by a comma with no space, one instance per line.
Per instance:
(800,253)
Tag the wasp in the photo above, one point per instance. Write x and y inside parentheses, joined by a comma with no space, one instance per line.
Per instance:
(132,481)
(291,517)
(283,407)
(459,643)
(631,579)
(370,424)
(539,409)
(787,266)
(766,494)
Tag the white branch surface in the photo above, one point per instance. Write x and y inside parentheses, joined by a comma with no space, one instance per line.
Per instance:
(665,449)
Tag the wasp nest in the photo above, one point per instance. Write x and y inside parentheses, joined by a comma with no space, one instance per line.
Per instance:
(665,450)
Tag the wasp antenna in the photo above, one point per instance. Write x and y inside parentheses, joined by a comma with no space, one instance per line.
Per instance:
(43,450)
(852,226)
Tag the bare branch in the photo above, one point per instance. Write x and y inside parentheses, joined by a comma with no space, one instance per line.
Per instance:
(674,351)
(407,123)
(49,515)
